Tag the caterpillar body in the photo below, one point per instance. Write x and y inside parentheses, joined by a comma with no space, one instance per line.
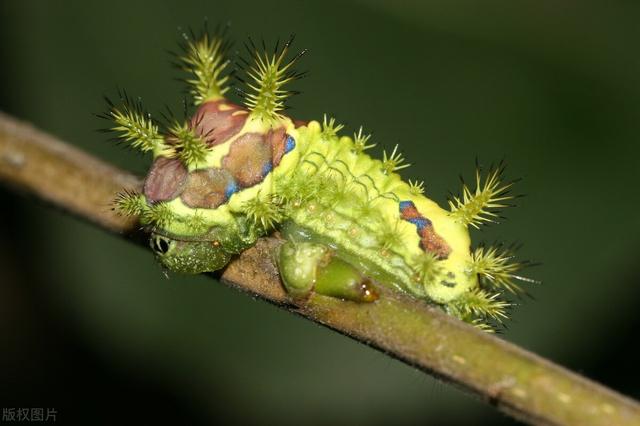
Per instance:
(231,174)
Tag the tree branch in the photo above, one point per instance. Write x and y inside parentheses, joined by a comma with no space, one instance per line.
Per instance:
(516,381)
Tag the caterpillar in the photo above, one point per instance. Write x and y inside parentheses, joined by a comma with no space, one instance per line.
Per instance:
(234,172)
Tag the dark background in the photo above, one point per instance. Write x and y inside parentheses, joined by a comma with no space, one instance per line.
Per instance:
(89,324)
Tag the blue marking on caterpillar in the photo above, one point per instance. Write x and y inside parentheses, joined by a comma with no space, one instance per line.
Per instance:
(267,168)
(406,204)
(291,143)
(421,223)
(231,189)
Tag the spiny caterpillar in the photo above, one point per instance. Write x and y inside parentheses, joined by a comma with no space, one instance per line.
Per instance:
(231,174)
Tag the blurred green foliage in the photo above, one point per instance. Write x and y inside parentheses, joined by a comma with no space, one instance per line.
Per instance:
(91,324)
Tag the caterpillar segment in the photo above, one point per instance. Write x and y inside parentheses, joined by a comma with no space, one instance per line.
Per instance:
(232,173)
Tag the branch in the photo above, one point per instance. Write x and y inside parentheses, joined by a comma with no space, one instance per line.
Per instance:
(518,382)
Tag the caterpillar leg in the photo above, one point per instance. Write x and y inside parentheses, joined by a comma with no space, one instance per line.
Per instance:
(307,267)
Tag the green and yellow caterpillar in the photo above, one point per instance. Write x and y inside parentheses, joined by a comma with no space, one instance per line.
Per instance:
(231,174)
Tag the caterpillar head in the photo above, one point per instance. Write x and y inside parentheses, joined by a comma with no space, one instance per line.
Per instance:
(191,257)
